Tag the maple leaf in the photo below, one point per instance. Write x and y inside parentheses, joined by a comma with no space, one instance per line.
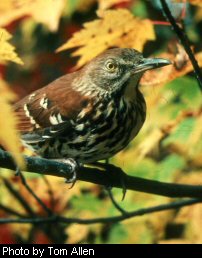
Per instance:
(7,51)
(9,137)
(47,12)
(113,28)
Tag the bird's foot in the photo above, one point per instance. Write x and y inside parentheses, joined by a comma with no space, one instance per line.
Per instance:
(113,169)
(123,184)
(17,171)
(73,167)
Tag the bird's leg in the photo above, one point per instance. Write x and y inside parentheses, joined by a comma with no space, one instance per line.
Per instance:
(73,168)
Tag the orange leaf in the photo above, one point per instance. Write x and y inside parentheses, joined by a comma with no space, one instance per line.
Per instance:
(47,12)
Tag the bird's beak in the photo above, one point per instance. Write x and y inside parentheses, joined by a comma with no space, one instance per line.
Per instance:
(151,63)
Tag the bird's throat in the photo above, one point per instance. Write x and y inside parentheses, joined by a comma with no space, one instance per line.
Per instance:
(130,90)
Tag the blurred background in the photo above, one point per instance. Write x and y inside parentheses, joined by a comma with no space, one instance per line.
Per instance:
(168,148)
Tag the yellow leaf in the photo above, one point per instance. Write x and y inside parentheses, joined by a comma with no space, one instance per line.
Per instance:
(7,51)
(114,28)
(9,137)
(150,142)
(77,233)
(196,135)
(47,12)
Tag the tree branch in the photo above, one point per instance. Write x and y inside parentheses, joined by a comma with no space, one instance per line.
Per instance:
(38,200)
(11,211)
(184,40)
(18,197)
(60,219)
(114,202)
(51,193)
(108,175)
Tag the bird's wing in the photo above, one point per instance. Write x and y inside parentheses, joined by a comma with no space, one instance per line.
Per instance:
(50,111)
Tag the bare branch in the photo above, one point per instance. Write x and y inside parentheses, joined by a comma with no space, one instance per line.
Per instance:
(50,192)
(60,219)
(39,201)
(184,40)
(111,196)
(114,202)
(108,175)
(18,197)
(11,211)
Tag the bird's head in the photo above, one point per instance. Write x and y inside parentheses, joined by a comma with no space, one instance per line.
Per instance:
(112,70)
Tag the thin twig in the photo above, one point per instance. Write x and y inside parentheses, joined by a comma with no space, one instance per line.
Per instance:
(26,206)
(60,219)
(50,192)
(11,211)
(111,196)
(114,202)
(184,40)
(39,201)
(19,197)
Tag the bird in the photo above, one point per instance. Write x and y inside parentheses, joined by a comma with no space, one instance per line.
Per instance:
(90,114)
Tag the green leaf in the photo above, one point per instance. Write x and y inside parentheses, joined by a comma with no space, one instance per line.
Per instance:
(182,132)
(169,166)
(117,234)
(70,7)
(185,91)
(139,9)
(87,202)
(144,168)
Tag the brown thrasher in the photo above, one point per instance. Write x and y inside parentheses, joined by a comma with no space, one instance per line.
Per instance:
(90,114)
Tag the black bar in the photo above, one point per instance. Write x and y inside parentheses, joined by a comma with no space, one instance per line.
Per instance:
(87,250)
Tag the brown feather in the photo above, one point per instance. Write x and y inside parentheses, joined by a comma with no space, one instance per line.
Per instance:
(62,99)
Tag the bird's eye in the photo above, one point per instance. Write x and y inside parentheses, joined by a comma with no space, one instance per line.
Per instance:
(111,66)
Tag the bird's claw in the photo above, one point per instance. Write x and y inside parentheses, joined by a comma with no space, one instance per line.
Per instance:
(73,168)
(17,171)
(122,175)
(124,190)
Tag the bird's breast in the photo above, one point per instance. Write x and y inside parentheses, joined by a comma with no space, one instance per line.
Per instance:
(107,129)
(101,132)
